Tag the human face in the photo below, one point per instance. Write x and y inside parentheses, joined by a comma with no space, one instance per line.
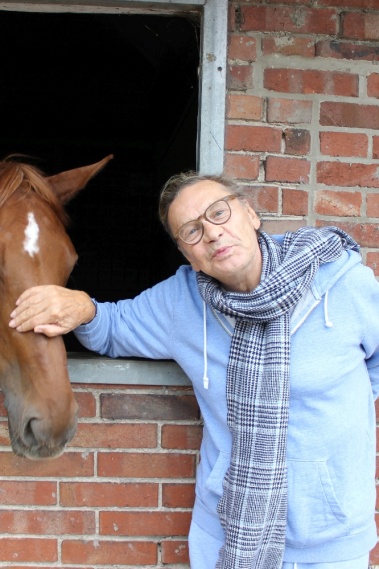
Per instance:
(230,252)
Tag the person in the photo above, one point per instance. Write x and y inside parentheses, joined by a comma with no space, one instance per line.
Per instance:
(280,338)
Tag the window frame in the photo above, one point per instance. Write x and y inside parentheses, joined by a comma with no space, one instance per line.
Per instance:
(90,368)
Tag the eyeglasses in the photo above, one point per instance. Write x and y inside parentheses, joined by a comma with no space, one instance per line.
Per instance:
(217,213)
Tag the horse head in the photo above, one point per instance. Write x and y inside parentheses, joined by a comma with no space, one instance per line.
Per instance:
(36,250)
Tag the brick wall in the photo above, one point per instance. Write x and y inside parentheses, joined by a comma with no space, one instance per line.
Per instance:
(303,114)
(121,495)
(303,136)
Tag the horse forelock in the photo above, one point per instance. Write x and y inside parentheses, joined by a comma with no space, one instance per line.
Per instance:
(14,174)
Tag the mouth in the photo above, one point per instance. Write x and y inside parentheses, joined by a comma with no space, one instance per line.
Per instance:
(222,252)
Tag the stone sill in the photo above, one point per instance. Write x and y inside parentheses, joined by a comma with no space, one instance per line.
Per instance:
(93,369)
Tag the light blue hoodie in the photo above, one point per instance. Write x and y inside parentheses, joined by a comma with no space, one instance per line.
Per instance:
(334,380)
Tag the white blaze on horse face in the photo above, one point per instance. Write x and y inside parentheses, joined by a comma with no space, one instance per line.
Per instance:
(31,236)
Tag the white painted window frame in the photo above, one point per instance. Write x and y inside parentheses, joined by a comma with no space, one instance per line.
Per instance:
(92,369)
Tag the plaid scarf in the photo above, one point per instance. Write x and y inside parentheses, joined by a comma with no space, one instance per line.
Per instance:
(253,508)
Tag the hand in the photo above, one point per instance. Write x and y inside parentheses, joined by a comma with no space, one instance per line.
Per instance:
(51,310)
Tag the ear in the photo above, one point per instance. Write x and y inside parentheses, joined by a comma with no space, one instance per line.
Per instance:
(253,214)
(67,184)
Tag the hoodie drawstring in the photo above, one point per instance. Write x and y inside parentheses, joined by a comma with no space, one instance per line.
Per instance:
(205,376)
(328,323)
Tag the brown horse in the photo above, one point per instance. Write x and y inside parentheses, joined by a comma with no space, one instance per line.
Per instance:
(34,250)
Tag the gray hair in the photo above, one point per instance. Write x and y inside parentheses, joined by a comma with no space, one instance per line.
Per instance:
(178,182)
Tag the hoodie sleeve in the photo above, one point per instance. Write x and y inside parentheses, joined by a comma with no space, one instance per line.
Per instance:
(370,307)
(140,327)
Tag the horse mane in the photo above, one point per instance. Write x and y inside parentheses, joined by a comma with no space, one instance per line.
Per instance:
(13,174)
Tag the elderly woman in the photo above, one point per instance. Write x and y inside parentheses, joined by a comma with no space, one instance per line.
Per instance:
(279,337)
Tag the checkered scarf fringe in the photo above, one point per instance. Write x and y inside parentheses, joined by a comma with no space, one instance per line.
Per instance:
(253,507)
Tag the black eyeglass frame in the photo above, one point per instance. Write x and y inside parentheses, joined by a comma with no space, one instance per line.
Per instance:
(225,199)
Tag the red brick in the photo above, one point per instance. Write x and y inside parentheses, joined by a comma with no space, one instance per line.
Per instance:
(145,523)
(351,115)
(287,170)
(3,412)
(26,550)
(108,494)
(310,81)
(146,465)
(232,18)
(338,203)
(244,107)
(72,464)
(48,522)
(242,166)
(87,404)
(4,434)
(149,407)
(289,46)
(289,111)
(120,435)
(242,47)
(14,492)
(342,174)
(288,19)
(372,209)
(182,436)
(263,199)
(366,234)
(364,4)
(347,50)
(239,77)
(105,552)
(292,2)
(375,147)
(43,567)
(295,202)
(174,551)
(372,261)
(297,141)
(178,495)
(343,144)
(361,25)
(253,138)
(373,85)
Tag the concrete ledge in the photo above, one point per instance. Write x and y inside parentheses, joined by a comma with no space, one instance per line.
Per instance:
(90,368)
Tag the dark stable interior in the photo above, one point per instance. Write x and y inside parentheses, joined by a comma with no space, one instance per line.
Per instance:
(77,87)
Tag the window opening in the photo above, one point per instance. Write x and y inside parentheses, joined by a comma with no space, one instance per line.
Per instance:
(77,87)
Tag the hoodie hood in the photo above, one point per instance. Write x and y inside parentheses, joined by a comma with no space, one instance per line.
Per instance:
(326,277)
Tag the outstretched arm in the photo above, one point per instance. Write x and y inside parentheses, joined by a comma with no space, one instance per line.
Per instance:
(51,310)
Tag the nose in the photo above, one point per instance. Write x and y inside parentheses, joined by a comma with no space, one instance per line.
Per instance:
(212,232)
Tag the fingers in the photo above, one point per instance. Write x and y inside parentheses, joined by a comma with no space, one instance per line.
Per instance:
(37,306)
(51,310)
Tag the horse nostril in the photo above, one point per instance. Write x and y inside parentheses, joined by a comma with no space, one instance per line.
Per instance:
(29,435)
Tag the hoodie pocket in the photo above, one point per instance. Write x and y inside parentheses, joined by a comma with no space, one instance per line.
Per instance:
(217,475)
(314,514)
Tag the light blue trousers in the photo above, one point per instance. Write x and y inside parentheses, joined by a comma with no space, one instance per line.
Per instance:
(204,548)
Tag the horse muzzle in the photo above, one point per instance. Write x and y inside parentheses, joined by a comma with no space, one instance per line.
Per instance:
(38,437)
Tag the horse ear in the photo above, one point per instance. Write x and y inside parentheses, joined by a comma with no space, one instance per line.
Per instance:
(67,184)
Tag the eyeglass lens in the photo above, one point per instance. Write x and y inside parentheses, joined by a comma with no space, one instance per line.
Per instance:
(217,213)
